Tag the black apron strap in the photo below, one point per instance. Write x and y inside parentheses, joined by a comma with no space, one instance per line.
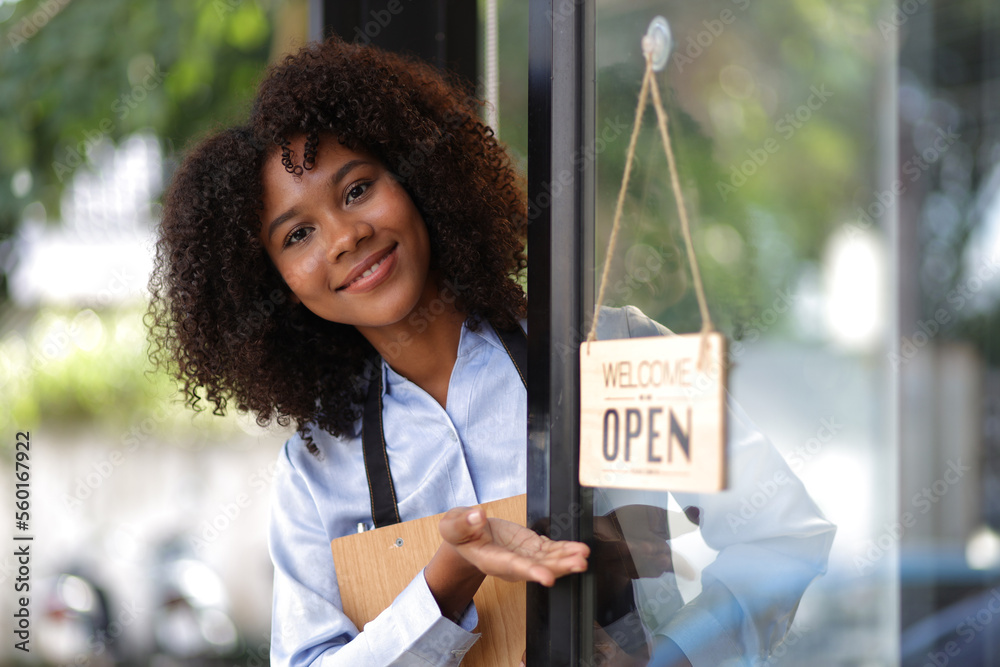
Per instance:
(516,344)
(385,511)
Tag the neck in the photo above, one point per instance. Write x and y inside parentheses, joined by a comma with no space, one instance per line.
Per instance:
(423,346)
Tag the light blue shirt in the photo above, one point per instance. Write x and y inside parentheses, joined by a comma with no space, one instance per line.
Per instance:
(472,452)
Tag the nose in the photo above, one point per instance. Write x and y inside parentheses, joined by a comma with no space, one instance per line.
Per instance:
(344,236)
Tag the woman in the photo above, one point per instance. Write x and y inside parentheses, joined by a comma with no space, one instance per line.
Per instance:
(364,228)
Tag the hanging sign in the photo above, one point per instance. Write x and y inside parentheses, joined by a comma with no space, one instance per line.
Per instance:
(653,410)
(651,416)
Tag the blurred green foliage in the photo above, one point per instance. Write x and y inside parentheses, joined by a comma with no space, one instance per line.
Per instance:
(84,367)
(760,218)
(73,72)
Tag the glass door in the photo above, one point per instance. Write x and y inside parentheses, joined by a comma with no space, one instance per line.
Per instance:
(782,118)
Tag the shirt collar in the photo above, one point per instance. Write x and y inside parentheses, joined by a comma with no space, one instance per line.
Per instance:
(468,341)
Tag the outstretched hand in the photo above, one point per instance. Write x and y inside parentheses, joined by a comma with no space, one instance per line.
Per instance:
(511,552)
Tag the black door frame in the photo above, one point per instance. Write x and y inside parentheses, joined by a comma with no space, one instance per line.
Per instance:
(442,32)
(561,101)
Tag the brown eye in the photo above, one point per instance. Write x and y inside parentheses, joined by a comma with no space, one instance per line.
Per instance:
(295,236)
(357,191)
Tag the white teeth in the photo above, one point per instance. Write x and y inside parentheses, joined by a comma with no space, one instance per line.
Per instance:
(370,271)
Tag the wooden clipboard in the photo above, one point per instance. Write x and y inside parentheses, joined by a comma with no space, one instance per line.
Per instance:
(374,567)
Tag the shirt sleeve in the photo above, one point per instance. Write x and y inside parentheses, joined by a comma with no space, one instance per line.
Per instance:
(308,626)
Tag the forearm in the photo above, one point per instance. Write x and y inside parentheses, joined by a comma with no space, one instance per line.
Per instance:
(452,580)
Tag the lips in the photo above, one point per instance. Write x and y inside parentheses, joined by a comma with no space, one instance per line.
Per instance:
(367,267)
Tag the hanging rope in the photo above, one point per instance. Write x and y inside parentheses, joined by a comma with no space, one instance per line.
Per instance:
(649,84)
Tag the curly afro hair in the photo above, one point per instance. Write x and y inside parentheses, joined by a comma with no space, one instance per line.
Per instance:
(221,317)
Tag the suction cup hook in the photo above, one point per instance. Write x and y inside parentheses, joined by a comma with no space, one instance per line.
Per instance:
(659,42)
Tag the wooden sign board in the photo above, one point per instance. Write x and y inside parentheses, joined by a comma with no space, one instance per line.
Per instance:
(649,418)
(375,566)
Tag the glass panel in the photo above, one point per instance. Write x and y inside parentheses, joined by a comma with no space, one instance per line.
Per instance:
(948,356)
(783,122)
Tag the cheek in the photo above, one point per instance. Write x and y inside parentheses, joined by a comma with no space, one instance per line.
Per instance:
(301,275)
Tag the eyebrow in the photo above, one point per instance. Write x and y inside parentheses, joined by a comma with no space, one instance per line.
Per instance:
(292,212)
(280,220)
(344,170)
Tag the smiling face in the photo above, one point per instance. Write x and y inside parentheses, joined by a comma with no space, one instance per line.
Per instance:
(345,236)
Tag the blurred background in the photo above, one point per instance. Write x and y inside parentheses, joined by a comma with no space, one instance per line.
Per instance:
(149,521)
(840,161)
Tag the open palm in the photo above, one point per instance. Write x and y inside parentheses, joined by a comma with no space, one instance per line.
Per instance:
(504,549)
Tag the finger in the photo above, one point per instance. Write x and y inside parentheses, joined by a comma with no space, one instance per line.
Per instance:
(577,548)
(556,566)
(575,555)
(569,565)
(514,567)
(542,575)
(462,525)
(567,549)
(545,574)
(563,565)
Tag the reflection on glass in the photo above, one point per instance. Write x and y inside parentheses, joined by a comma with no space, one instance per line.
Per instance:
(778,115)
(715,576)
